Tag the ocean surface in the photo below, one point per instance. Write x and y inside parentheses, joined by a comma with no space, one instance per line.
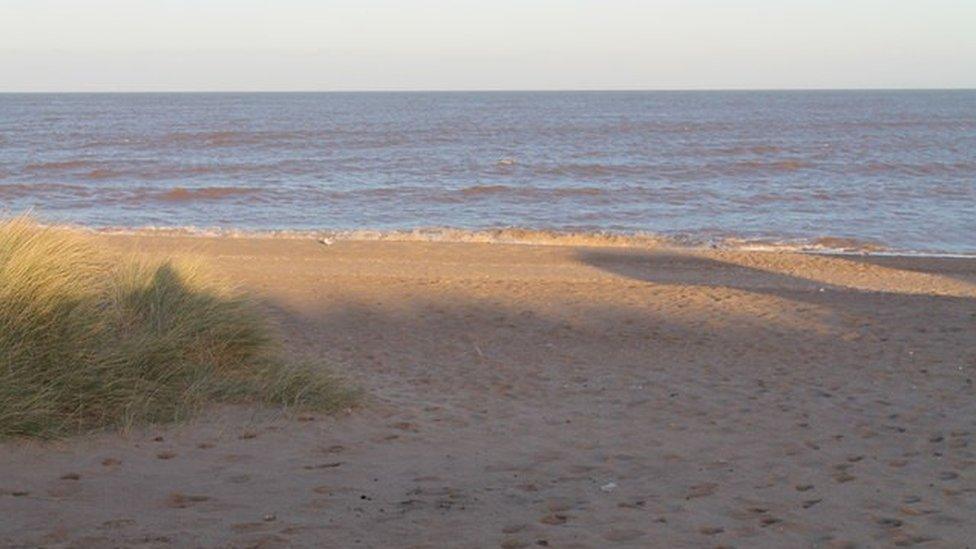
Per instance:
(846,169)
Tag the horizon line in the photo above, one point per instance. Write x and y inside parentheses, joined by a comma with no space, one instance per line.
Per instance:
(489,90)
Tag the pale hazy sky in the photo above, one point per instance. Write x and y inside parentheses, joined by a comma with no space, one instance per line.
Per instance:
(124,45)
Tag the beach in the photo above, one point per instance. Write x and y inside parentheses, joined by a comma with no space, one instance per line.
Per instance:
(562,396)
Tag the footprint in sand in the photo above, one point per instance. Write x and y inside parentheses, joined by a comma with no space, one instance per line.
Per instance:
(330,465)
(843,477)
(902,539)
(912,512)
(166,455)
(554,519)
(890,522)
(177,500)
(769,521)
(702,490)
(557,505)
(632,504)
(115,524)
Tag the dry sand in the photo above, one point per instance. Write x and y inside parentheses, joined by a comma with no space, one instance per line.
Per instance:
(570,397)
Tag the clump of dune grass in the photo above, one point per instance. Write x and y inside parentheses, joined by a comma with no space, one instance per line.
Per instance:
(91,339)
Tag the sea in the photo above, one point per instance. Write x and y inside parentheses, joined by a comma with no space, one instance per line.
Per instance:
(889,171)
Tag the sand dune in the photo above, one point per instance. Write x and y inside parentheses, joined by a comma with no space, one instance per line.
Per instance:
(525,396)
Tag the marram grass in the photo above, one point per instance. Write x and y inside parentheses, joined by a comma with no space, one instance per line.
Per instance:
(90,340)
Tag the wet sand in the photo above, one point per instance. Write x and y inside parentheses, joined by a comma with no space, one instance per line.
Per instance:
(558,396)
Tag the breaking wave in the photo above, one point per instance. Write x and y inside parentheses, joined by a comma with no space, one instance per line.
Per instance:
(539,237)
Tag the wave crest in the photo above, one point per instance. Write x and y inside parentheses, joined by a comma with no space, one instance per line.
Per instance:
(181,194)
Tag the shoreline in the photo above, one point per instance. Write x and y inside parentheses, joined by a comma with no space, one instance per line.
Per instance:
(823,245)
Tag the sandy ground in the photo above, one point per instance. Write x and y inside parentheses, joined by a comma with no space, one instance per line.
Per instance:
(556,396)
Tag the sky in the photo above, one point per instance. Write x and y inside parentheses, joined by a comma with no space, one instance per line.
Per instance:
(332,45)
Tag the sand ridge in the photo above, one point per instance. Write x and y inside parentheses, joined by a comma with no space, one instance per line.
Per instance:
(555,396)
